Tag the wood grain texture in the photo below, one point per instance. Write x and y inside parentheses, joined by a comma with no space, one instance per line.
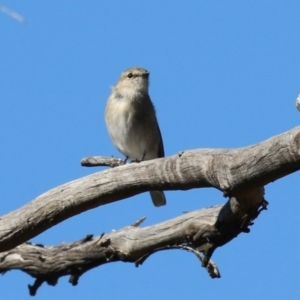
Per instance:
(195,232)
(231,171)
(240,174)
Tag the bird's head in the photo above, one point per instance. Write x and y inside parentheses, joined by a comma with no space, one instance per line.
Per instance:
(134,80)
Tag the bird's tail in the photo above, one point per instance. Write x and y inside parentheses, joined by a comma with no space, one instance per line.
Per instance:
(158,198)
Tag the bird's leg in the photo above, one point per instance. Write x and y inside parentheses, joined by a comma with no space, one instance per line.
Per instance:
(143,157)
(138,160)
(125,160)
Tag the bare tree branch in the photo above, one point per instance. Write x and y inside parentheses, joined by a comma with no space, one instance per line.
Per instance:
(199,232)
(232,171)
(100,161)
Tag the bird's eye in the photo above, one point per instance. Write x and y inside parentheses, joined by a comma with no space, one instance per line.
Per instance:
(129,75)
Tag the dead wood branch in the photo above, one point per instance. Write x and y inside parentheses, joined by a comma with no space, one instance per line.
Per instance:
(233,171)
(199,232)
(100,161)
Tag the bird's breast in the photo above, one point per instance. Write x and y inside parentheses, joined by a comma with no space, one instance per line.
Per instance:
(121,127)
(132,126)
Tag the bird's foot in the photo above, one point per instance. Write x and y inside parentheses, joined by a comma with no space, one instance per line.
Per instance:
(138,160)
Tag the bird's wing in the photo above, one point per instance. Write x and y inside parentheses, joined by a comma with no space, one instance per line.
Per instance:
(161,151)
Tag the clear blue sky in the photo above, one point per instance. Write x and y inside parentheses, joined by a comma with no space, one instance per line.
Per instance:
(224,74)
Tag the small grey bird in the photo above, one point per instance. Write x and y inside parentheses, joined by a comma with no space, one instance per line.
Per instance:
(131,121)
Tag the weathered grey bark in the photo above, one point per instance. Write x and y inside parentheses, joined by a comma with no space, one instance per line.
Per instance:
(199,232)
(239,173)
(230,171)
